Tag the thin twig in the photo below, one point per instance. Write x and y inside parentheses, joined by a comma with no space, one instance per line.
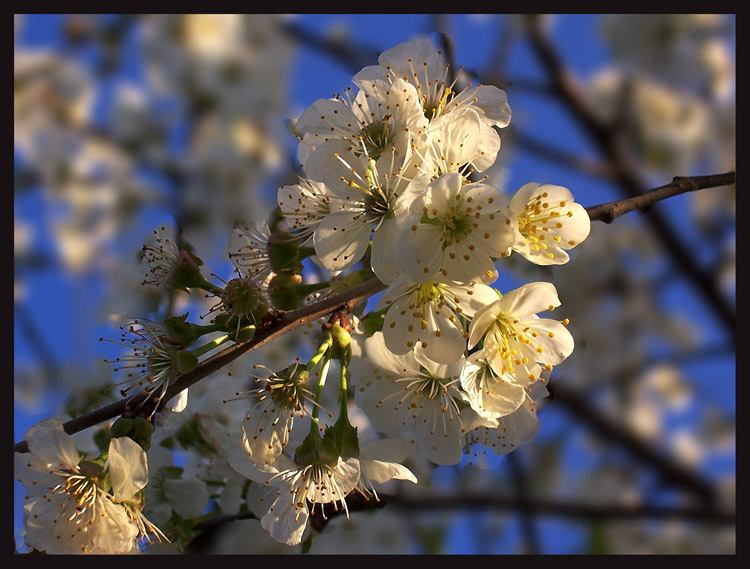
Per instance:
(608,212)
(642,450)
(285,322)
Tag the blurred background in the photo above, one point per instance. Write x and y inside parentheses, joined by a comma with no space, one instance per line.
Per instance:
(123,121)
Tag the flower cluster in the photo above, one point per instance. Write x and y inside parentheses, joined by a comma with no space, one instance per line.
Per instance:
(80,505)
(391,189)
(392,184)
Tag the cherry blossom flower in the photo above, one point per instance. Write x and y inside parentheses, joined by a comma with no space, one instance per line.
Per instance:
(547,223)
(155,361)
(428,316)
(295,491)
(277,401)
(415,397)
(425,67)
(513,430)
(368,197)
(303,206)
(380,462)
(488,394)
(461,232)
(517,343)
(382,115)
(247,249)
(68,508)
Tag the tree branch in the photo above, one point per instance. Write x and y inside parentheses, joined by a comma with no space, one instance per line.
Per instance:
(608,212)
(283,323)
(430,501)
(606,429)
(287,321)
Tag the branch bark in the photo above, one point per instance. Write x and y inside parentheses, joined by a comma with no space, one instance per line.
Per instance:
(608,212)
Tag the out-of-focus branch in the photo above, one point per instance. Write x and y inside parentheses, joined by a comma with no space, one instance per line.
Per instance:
(604,428)
(608,212)
(352,56)
(431,501)
(610,143)
(558,156)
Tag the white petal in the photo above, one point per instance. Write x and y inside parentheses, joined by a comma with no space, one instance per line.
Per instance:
(530,299)
(128,469)
(419,255)
(48,442)
(178,403)
(326,114)
(482,320)
(381,472)
(341,240)
(285,522)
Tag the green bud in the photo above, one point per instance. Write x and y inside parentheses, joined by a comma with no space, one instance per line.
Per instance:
(184,361)
(90,468)
(187,275)
(284,254)
(122,427)
(283,293)
(143,431)
(245,334)
(181,331)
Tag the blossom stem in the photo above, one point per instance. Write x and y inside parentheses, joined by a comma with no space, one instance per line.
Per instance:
(215,343)
(343,396)
(319,391)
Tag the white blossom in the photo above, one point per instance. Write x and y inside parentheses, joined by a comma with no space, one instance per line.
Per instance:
(295,491)
(412,396)
(369,200)
(425,67)
(546,223)
(428,316)
(67,507)
(461,232)
(517,343)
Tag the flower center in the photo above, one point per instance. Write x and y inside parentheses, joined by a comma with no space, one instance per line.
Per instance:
(376,137)
(535,222)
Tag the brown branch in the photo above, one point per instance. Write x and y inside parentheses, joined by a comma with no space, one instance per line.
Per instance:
(608,212)
(285,322)
(430,501)
(642,450)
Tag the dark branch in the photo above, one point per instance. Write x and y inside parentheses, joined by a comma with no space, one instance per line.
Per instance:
(284,323)
(642,450)
(608,212)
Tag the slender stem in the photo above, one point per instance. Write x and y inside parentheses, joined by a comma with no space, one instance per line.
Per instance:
(215,343)
(343,396)
(319,391)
